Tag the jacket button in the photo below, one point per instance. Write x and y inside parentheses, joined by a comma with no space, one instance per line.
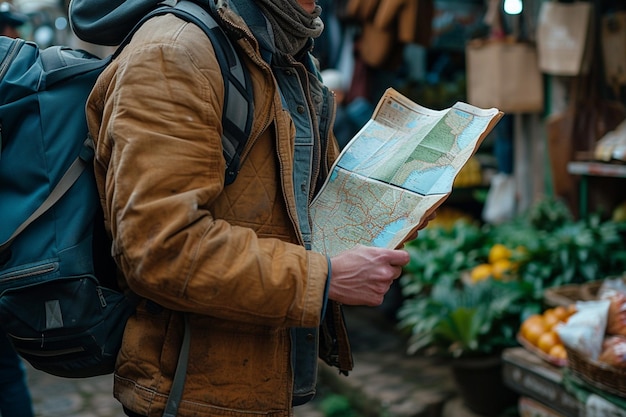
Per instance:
(300,109)
(310,337)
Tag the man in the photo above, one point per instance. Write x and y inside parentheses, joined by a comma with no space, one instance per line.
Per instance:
(10,20)
(234,258)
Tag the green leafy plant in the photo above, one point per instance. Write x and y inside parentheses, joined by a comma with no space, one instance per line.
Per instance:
(470,320)
(565,251)
(576,252)
(337,406)
(441,254)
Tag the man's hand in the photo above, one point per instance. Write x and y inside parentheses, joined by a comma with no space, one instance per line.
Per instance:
(363,274)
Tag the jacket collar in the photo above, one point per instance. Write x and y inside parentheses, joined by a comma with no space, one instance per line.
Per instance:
(259,26)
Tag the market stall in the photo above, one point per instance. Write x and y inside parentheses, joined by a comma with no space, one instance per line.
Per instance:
(586,377)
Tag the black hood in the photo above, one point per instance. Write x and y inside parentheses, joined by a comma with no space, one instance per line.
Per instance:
(106,22)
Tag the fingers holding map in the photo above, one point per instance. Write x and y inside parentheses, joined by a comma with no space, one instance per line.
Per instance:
(395,172)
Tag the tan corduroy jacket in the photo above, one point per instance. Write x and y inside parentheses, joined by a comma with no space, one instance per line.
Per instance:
(233,257)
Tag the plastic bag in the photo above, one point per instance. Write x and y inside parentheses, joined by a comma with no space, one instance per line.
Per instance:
(584,331)
(500,203)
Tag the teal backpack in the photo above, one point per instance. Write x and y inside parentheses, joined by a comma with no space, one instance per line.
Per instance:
(59,304)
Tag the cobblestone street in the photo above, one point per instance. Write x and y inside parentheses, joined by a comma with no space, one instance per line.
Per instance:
(63,397)
(88,397)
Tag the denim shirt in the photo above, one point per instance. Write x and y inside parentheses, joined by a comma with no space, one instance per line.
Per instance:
(310,105)
(307,157)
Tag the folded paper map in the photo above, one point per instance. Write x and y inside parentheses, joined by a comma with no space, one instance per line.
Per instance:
(395,172)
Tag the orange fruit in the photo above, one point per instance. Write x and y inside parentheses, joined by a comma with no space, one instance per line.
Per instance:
(558,351)
(532,330)
(561,312)
(548,340)
(535,318)
(550,318)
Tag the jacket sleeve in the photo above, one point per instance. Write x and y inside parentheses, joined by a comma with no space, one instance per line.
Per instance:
(159,148)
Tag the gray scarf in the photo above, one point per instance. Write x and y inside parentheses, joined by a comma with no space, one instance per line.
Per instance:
(291,24)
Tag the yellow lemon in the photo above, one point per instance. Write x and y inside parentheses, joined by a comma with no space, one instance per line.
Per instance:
(501,267)
(481,272)
(498,252)
(521,250)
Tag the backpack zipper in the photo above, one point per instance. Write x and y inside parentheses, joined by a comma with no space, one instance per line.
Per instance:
(10,56)
(28,272)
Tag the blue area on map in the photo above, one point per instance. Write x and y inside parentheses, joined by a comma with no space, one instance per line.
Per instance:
(472,131)
(427,181)
(390,231)
(413,124)
(360,152)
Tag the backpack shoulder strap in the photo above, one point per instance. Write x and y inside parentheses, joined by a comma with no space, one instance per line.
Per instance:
(64,184)
(61,63)
(238,93)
